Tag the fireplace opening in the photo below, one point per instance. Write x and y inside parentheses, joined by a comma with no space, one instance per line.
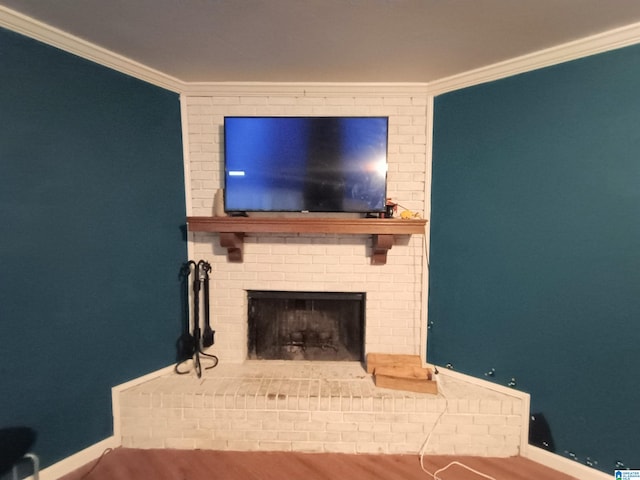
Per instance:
(325,326)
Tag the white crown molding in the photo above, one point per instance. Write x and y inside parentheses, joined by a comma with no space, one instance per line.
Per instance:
(603,42)
(610,40)
(32,28)
(248,89)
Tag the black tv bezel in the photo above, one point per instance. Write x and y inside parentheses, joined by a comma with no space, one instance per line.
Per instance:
(234,212)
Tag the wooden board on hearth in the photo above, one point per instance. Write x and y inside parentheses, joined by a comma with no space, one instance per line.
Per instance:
(375,360)
(401,372)
(412,379)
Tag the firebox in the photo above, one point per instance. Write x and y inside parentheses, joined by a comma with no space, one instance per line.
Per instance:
(326,326)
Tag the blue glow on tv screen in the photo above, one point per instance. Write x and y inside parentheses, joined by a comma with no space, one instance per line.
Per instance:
(297,164)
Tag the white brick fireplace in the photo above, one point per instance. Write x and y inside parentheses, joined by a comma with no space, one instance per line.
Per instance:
(318,262)
(315,406)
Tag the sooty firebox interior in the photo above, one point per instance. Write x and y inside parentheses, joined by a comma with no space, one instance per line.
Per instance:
(325,326)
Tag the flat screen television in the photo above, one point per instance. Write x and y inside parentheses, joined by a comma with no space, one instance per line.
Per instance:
(305,164)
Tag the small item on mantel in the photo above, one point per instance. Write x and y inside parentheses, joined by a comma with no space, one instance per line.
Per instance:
(218,204)
(390,208)
(408,215)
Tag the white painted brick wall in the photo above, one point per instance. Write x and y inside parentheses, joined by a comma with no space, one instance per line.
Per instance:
(344,415)
(314,262)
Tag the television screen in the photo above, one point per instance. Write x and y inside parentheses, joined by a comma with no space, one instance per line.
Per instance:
(298,164)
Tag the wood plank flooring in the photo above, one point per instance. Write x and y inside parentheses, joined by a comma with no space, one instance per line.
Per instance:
(135,464)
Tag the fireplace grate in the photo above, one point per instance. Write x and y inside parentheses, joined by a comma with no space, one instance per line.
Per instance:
(325,326)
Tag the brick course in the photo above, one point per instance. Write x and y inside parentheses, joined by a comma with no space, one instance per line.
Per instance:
(299,406)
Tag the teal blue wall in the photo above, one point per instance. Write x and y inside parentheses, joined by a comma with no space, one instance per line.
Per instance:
(535,246)
(91,215)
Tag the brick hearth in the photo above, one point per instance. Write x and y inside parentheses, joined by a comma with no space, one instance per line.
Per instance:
(316,407)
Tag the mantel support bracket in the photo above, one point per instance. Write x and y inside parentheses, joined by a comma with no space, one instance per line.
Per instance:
(381,245)
(233,242)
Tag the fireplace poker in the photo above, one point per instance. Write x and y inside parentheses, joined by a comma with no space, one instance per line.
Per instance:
(195,340)
(208,334)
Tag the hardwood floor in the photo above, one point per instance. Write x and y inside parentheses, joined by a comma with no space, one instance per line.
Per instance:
(134,464)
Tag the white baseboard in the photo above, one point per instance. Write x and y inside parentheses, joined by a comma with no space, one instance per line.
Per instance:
(564,465)
(77,460)
(89,454)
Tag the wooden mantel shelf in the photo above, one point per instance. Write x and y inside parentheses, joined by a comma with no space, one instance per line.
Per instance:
(233,229)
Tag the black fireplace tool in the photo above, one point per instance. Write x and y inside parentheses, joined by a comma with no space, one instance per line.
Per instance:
(186,344)
(190,345)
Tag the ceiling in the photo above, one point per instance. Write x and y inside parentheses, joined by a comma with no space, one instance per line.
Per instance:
(326,40)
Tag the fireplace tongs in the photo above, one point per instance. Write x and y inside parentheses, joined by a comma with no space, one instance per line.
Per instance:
(199,339)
